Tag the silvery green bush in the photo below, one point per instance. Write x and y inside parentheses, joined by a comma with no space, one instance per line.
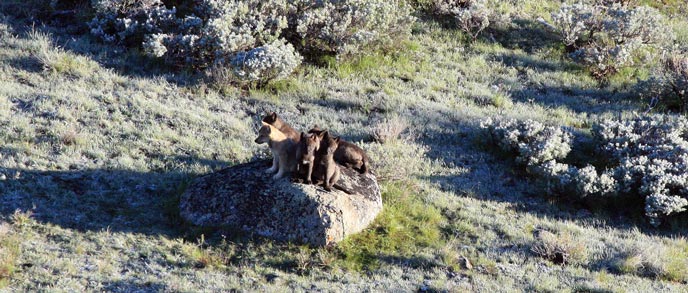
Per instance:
(126,21)
(652,156)
(214,33)
(533,142)
(576,22)
(646,157)
(272,61)
(540,148)
(236,26)
(343,27)
(606,35)
(218,33)
(471,16)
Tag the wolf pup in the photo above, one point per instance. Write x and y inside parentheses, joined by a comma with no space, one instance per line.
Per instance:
(285,128)
(326,171)
(305,157)
(282,147)
(348,154)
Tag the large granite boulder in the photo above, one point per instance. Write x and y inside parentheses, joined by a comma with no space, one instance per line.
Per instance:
(244,196)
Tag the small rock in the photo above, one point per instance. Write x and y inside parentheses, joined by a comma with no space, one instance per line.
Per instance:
(3,177)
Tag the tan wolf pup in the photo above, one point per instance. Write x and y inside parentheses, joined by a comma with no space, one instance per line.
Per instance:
(285,128)
(283,150)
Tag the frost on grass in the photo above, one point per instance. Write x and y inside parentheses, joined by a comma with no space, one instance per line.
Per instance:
(645,157)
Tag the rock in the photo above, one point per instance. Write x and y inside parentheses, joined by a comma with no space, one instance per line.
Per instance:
(244,196)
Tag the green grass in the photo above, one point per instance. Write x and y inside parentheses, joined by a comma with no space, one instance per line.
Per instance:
(406,224)
(399,63)
(9,252)
(677,263)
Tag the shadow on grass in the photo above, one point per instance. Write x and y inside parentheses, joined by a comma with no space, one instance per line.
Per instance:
(578,100)
(494,176)
(27,63)
(529,61)
(119,200)
(411,261)
(550,89)
(527,35)
(133,285)
(70,32)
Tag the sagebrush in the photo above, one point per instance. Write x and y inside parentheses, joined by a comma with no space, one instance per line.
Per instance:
(646,157)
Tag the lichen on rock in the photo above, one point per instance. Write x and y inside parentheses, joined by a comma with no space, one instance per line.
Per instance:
(243,196)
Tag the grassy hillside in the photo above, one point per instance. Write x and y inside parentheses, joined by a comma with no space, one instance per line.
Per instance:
(97,143)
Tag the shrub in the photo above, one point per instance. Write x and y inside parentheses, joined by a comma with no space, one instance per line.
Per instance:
(273,61)
(676,67)
(220,31)
(645,158)
(398,160)
(471,16)
(236,26)
(652,156)
(389,130)
(343,27)
(669,86)
(534,142)
(578,183)
(606,36)
(128,21)
(226,33)
(576,23)
(564,248)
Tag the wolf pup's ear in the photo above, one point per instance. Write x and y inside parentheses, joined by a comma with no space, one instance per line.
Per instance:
(273,116)
(336,139)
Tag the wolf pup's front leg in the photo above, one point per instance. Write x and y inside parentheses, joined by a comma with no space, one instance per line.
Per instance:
(275,164)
